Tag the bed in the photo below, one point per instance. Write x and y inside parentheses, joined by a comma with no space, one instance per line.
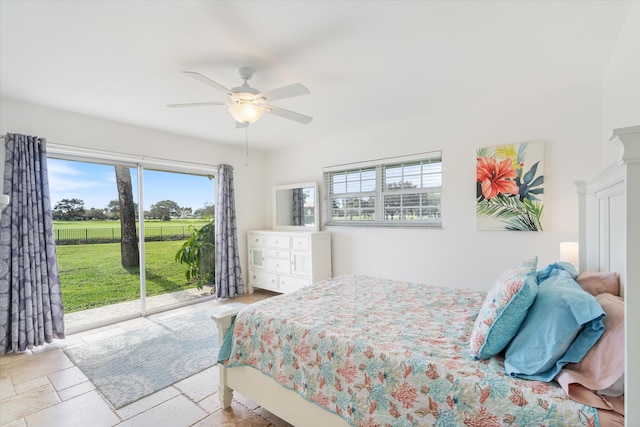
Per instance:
(417,354)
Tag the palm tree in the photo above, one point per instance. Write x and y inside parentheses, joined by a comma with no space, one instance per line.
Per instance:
(129,252)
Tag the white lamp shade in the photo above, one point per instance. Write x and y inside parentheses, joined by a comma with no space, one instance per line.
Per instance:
(569,252)
(245,112)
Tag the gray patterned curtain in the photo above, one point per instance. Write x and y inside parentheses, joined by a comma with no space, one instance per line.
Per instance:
(298,206)
(31,312)
(228,273)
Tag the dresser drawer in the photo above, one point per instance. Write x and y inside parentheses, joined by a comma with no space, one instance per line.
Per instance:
(264,280)
(255,240)
(278,265)
(281,242)
(300,243)
(277,253)
(288,283)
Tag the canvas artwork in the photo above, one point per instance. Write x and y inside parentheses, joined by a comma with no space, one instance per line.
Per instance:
(509,187)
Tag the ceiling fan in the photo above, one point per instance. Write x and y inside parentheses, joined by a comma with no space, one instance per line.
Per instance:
(246,104)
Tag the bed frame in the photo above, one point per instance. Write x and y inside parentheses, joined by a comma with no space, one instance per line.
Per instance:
(609,227)
(609,230)
(263,390)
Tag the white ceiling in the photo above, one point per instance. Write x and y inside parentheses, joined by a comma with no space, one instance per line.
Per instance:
(366,63)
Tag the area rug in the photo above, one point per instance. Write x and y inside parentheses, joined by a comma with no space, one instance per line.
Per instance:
(137,363)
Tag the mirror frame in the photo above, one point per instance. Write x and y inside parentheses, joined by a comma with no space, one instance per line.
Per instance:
(316,207)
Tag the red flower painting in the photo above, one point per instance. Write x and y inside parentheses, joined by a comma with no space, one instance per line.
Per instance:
(496,178)
(509,187)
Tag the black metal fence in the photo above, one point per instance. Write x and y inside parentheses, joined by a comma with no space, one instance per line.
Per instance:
(82,236)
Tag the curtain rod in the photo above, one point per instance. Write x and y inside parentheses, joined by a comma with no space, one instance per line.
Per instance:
(5,137)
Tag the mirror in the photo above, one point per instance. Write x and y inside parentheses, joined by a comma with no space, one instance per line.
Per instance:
(295,207)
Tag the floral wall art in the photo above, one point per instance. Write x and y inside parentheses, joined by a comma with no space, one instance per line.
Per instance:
(509,182)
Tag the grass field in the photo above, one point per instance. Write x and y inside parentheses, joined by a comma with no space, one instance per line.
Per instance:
(92,275)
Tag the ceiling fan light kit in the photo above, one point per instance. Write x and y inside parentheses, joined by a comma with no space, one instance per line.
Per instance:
(245,112)
(246,104)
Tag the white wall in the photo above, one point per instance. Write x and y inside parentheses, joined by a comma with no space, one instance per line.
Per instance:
(621,83)
(76,130)
(458,255)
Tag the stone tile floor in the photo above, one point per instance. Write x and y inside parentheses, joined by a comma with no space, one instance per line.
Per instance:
(42,388)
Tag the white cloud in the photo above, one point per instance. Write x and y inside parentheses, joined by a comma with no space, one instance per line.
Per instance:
(69,182)
(64,178)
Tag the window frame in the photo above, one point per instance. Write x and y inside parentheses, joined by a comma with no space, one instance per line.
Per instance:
(380,167)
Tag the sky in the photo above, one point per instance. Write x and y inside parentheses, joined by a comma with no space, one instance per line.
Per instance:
(95,184)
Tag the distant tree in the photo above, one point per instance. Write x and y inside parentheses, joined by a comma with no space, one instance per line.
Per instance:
(353,207)
(207,212)
(94,213)
(164,210)
(368,207)
(336,209)
(69,210)
(113,210)
(129,240)
(393,207)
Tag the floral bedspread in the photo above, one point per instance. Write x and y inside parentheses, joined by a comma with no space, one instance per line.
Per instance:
(386,353)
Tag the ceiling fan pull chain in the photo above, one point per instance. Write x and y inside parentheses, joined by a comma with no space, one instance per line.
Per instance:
(246,145)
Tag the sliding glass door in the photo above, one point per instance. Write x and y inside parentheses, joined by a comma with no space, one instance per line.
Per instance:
(113,263)
(177,206)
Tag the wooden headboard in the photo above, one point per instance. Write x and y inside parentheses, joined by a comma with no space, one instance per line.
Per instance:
(610,241)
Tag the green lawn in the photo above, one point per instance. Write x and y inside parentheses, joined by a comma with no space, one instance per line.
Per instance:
(92,275)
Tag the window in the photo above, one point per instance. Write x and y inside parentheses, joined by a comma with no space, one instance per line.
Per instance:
(399,191)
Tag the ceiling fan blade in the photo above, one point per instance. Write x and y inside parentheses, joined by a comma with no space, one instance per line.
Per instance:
(287,114)
(208,82)
(195,104)
(290,91)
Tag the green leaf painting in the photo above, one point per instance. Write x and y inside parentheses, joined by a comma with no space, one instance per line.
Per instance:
(509,187)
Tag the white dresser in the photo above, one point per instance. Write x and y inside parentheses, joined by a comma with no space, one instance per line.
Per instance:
(283,261)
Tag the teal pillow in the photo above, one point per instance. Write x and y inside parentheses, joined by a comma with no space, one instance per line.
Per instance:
(504,309)
(556,268)
(563,323)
